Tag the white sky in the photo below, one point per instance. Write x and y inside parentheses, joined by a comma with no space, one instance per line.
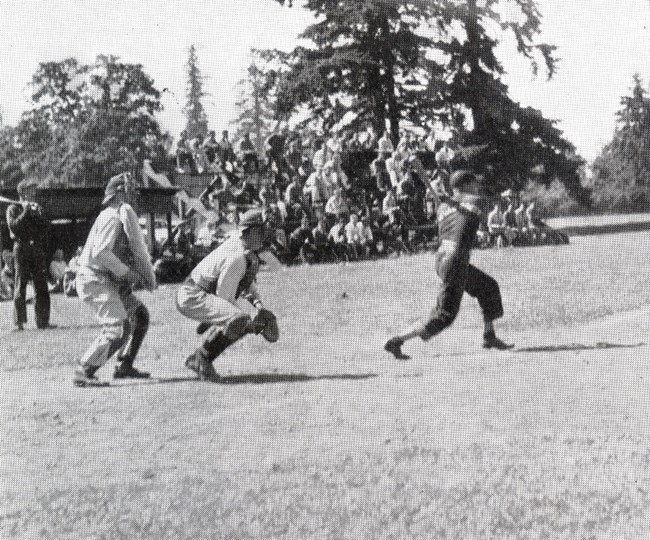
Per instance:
(601,44)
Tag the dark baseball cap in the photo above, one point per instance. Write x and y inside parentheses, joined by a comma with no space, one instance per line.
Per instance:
(466,182)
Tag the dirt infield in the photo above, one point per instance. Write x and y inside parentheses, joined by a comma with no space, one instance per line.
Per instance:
(325,436)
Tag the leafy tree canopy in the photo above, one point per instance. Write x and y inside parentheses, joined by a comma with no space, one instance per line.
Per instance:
(89,122)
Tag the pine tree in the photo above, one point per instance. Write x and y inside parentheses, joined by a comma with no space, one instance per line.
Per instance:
(430,61)
(622,170)
(255,104)
(197,122)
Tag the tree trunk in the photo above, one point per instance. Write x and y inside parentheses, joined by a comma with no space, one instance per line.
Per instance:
(473,42)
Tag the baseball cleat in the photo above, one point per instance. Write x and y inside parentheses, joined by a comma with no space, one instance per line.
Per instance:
(394,347)
(491,341)
(126,371)
(85,377)
(202,367)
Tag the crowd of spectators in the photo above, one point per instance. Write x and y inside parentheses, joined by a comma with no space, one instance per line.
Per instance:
(321,213)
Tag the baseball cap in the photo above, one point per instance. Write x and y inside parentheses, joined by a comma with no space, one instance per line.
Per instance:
(116,184)
(251,218)
(465,181)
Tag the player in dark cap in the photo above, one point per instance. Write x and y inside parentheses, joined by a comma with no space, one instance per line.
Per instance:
(29,229)
(458,220)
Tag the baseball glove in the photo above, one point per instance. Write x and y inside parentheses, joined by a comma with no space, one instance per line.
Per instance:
(266,323)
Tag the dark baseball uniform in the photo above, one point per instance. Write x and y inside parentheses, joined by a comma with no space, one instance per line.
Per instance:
(29,229)
(458,223)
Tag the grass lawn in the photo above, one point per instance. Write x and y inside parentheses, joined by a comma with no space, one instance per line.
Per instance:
(323,435)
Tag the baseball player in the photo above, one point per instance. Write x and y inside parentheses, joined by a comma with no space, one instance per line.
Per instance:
(209,295)
(115,259)
(458,220)
(29,229)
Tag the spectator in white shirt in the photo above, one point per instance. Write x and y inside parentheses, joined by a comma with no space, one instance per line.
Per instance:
(385,144)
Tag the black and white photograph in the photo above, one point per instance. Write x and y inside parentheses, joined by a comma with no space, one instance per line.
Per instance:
(324,269)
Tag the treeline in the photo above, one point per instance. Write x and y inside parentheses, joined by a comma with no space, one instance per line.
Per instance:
(425,63)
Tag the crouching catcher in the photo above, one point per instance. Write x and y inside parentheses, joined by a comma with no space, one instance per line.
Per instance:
(209,295)
(458,220)
(115,259)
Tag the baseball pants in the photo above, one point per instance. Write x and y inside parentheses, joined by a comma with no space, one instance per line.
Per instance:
(30,263)
(195,303)
(113,304)
(459,277)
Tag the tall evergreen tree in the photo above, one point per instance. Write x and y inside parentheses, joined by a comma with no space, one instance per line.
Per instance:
(622,170)
(368,54)
(197,121)
(518,139)
(255,105)
(428,61)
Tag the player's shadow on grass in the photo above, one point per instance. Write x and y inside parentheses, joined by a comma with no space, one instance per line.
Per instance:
(252,378)
(579,347)
(266,378)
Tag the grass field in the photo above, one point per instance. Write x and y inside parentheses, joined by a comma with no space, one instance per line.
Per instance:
(323,435)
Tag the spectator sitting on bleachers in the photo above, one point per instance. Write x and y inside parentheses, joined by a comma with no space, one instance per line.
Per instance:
(268,194)
(316,189)
(430,141)
(301,243)
(248,154)
(210,147)
(444,156)
(324,251)
(521,221)
(225,150)
(337,239)
(293,156)
(184,160)
(353,236)
(385,144)
(368,137)
(395,234)
(406,189)
(320,154)
(7,276)
(275,146)
(394,167)
(334,145)
(389,204)
(510,222)
(337,173)
(482,236)
(368,246)
(532,222)
(293,193)
(275,223)
(496,226)
(379,172)
(57,272)
(337,205)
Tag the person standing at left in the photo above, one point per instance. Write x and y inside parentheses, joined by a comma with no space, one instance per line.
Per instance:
(29,228)
(113,262)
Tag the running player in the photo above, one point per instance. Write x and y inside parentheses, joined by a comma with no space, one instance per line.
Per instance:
(458,220)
